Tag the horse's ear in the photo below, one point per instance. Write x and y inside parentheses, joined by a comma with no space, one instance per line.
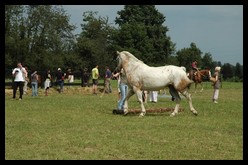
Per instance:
(117,52)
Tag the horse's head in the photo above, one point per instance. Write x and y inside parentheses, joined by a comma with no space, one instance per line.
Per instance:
(123,58)
(205,74)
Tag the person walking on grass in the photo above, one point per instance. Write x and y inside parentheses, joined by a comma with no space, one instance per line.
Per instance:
(123,90)
(26,80)
(47,83)
(95,76)
(34,83)
(108,75)
(19,77)
(216,84)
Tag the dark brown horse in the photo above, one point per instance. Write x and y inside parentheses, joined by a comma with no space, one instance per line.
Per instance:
(199,77)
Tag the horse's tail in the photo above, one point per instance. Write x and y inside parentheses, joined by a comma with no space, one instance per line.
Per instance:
(189,85)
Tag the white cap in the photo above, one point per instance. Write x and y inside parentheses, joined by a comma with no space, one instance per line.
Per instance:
(59,69)
(217,68)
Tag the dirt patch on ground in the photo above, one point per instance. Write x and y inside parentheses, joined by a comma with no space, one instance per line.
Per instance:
(154,110)
(54,90)
(150,110)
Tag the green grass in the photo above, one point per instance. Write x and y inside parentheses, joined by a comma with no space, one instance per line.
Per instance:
(78,125)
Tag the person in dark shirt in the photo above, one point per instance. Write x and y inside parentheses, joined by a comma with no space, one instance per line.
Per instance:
(60,80)
(108,75)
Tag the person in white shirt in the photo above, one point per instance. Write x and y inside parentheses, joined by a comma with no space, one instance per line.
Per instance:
(26,80)
(19,79)
(154,96)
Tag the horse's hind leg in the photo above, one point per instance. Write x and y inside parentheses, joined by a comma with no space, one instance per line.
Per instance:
(175,95)
(188,97)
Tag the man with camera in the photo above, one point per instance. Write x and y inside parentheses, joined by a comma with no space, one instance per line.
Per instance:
(19,79)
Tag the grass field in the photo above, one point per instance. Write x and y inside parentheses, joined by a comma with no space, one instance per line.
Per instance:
(78,125)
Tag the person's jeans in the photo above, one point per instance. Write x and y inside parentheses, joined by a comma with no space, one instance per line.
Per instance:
(61,85)
(34,88)
(124,89)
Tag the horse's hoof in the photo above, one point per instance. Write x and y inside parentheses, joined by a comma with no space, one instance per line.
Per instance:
(125,113)
(172,115)
(195,113)
(141,115)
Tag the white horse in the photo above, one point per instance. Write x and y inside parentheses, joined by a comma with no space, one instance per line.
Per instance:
(143,77)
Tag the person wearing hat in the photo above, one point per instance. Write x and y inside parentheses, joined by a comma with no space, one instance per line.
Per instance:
(60,80)
(85,78)
(216,84)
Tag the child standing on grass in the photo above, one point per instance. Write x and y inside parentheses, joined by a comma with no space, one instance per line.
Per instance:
(216,84)
(47,82)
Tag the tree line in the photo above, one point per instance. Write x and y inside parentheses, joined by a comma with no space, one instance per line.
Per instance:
(41,37)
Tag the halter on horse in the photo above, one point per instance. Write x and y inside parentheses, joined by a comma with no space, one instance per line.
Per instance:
(199,77)
(143,77)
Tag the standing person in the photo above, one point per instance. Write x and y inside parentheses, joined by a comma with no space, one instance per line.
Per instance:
(47,83)
(26,80)
(108,75)
(95,76)
(123,88)
(34,83)
(153,96)
(19,75)
(85,78)
(70,76)
(216,84)
(60,80)
(194,69)
(117,76)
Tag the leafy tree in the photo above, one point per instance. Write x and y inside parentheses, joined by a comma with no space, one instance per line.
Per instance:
(94,42)
(238,71)
(186,56)
(37,35)
(227,71)
(141,32)
(50,35)
(13,17)
(207,61)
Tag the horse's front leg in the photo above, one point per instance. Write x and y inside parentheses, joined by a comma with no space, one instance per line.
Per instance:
(195,86)
(201,87)
(140,99)
(129,94)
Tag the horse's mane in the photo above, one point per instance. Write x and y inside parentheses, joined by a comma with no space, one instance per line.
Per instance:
(132,56)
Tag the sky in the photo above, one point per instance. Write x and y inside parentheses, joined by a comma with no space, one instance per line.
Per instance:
(215,29)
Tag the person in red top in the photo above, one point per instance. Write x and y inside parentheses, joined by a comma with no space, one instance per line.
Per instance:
(194,67)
